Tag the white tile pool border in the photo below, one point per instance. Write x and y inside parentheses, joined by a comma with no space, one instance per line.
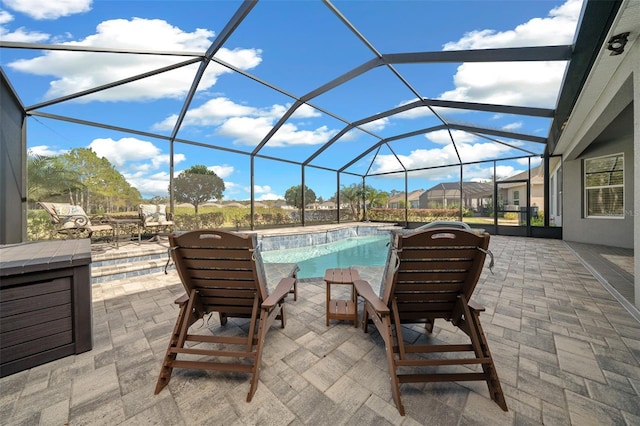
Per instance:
(310,236)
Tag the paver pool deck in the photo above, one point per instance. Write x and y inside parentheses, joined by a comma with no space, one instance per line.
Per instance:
(567,353)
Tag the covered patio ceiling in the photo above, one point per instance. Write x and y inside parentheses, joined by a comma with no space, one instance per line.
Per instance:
(360,92)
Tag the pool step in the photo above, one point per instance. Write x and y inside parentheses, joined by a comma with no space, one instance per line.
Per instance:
(132,260)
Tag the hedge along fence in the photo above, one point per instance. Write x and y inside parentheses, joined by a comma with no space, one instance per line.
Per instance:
(40,227)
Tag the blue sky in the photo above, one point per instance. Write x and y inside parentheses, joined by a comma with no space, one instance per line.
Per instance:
(295,46)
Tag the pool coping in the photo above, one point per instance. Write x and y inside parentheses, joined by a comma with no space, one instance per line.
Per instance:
(283,239)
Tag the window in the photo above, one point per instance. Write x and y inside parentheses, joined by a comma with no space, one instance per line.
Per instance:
(516,198)
(604,186)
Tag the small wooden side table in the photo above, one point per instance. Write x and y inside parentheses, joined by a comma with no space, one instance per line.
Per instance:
(342,309)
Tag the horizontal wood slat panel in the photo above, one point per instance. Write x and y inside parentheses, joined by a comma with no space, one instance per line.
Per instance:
(226,301)
(221,274)
(39,316)
(437,264)
(35,346)
(220,264)
(427,277)
(31,290)
(36,331)
(424,307)
(204,240)
(437,253)
(18,306)
(222,283)
(230,309)
(248,293)
(428,287)
(216,253)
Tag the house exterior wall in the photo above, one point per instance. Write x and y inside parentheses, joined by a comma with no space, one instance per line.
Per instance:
(617,232)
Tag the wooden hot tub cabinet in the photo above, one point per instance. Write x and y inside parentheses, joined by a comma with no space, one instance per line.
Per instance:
(45,302)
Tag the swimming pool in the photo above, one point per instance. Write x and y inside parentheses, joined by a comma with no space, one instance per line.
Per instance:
(314,260)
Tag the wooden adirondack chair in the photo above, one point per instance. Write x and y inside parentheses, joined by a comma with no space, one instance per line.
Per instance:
(221,272)
(431,275)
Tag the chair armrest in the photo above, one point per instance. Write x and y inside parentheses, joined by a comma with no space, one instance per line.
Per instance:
(182,299)
(281,291)
(73,221)
(364,289)
(101,219)
(475,305)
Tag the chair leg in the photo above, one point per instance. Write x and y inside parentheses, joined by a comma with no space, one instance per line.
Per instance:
(282,317)
(265,322)
(391,361)
(428,326)
(365,318)
(493,382)
(170,356)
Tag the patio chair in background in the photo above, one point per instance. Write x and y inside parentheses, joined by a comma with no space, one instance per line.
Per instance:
(222,272)
(72,221)
(154,217)
(431,275)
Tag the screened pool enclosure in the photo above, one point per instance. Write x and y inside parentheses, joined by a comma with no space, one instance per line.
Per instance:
(350,99)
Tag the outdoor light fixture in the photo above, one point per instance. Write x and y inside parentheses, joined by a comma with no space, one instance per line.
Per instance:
(616,43)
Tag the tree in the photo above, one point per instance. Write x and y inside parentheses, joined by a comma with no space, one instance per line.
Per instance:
(197,185)
(376,198)
(293,196)
(47,177)
(107,189)
(352,194)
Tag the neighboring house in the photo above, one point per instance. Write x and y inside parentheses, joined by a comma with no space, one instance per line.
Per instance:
(447,195)
(397,201)
(327,205)
(512,191)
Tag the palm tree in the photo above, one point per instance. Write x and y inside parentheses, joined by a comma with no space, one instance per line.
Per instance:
(352,194)
(47,177)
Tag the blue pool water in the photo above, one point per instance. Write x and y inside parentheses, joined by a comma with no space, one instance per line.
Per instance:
(314,260)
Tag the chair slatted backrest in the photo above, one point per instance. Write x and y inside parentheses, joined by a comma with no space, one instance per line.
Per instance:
(434,267)
(221,267)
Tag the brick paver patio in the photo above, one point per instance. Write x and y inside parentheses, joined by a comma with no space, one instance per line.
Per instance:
(566,351)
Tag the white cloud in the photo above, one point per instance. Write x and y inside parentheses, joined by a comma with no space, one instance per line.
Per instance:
(258,189)
(124,150)
(211,113)
(442,137)
(425,158)
(46,151)
(502,83)
(223,171)
(558,28)
(249,125)
(377,125)
(535,161)
(149,186)
(76,71)
(20,34)
(305,111)
(512,126)
(264,193)
(49,9)
(504,171)
(270,196)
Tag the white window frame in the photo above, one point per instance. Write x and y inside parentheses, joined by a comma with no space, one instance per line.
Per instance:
(516,201)
(587,188)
